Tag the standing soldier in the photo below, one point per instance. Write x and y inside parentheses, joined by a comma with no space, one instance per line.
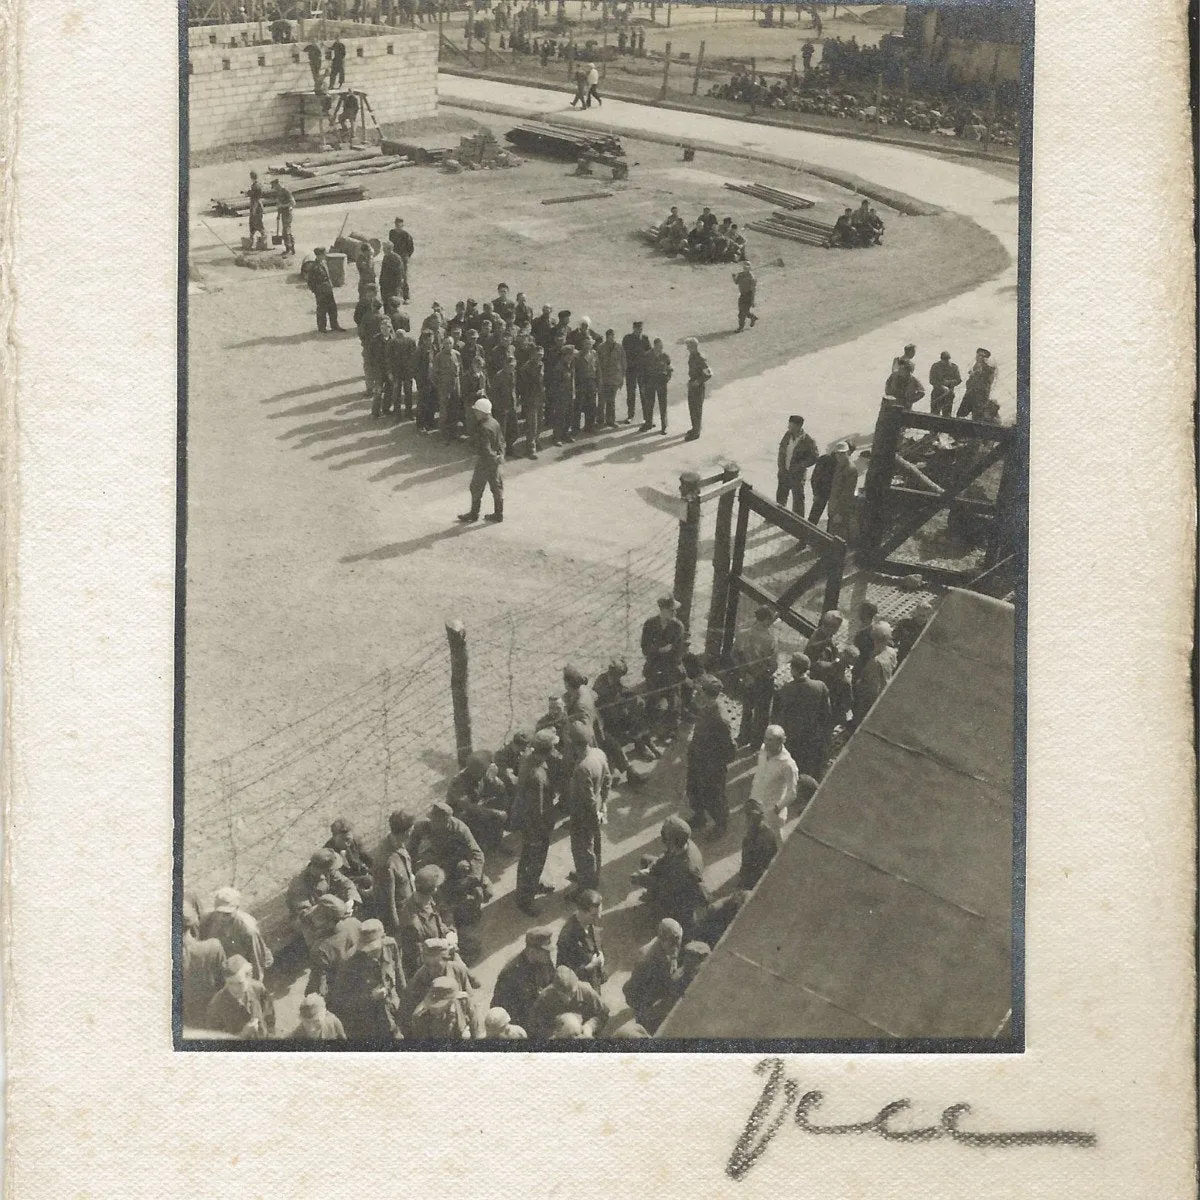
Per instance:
(610,357)
(423,370)
(379,336)
(698,376)
(944,377)
(746,283)
(803,709)
(391,274)
(321,287)
(636,345)
(258,232)
(664,640)
(285,206)
(587,377)
(656,374)
(366,992)
(587,806)
(978,391)
(488,443)
(447,382)
(710,752)
(402,363)
(402,243)
(531,392)
(560,391)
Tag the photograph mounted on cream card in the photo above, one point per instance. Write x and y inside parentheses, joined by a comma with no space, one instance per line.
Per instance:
(521,702)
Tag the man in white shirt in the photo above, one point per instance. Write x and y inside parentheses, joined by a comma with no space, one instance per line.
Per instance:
(775,779)
(593,88)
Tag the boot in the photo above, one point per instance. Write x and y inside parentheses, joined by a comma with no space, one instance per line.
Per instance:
(467,517)
(497,516)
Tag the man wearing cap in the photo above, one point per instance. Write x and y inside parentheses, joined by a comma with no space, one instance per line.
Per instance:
(442,1014)
(797,452)
(437,959)
(610,355)
(487,441)
(693,956)
(562,408)
(698,376)
(202,967)
(237,931)
(902,385)
(321,286)
(775,778)
(664,640)
(447,386)
(978,391)
(357,865)
(843,495)
(587,807)
(674,881)
(649,991)
(531,395)
(636,346)
(480,800)
(580,701)
(623,717)
(421,918)
(402,242)
(523,977)
(906,630)
(759,845)
(336,938)
(535,816)
(587,380)
(746,286)
(944,377)
(285,206)
(243,1007)
(566,994)
(323,876)
(317,1023)
(756,653)
(579,939)
(394,877)
(656,372)
(711,749)
(368,986)
(441,838)
(499,1025)
(802,708)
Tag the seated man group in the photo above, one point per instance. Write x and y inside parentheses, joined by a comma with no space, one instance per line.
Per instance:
(706,241)
(861,226)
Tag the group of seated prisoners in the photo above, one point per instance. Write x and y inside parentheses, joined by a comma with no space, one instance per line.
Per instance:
(707,241)
(861,226)
(390,939)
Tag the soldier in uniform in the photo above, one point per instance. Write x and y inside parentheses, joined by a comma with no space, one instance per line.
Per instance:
(442,839)
(610,358)
(977,394)
(420,917)
(402,364)
(480,800)
(236,930)
(394,876)
(447,384)
(902,386)
(567,994)
(648,991)
(285,206)
(746,285)
(587,807)
(402,243)
(656,373)
(560,391)
(944,377)
(443,1013)
(587,381)
(243,1007)
(535,815)
(322,876)
(427,399)
(437,959)
(202,965)
(579,944)
(698,376)
(391,274)
(710,752)
(523,978)
(368,987)
(336,940)
(488,443)
(759,846)
(503,394)
(258,233)
(356,862)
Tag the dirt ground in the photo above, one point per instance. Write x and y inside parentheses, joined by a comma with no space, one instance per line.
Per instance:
(323,554)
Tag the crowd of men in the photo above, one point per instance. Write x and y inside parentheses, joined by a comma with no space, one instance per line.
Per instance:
(706,241)
(904,388)
(856,227)
(389,939)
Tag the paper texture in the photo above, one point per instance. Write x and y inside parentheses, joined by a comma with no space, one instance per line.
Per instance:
(99,1105)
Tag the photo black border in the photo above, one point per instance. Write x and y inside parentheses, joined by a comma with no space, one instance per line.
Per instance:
(1013,1043)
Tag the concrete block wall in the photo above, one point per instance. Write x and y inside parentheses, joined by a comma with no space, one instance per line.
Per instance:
(202,37)
(234,95)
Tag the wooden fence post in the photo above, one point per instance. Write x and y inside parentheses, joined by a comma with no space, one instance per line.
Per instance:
(753,85)
(456,635)
(668,14)
(688,548)
(699,67)
(735,572)
(662,91)
(722,545)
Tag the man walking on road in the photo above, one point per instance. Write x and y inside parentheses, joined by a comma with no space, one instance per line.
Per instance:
(698,376)
(746,283)
(488,443)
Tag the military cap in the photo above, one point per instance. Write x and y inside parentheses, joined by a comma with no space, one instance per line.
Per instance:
(313,1005)
(564,314)
(326,859)
(226,899)
(541,936)
(545,739)
(446,988)
(573,676)
(370,934)
(334,904)
(429,879)
(235,964)
(677,826)
(434,945)
(340,825)
(801,661)
(698,949)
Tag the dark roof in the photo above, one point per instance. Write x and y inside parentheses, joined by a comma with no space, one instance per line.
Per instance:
(888,911)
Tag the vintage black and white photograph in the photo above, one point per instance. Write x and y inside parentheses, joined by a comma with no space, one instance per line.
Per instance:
(603,476)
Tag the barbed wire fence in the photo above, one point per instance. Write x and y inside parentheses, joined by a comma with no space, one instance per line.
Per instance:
(252,817)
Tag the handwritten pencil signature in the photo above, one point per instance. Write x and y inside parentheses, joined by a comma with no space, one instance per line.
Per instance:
(780,1095)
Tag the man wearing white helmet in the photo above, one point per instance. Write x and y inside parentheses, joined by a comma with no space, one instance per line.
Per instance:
(487,441)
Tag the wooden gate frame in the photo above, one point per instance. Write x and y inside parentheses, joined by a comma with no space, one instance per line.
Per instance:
(892,513)
(730,584)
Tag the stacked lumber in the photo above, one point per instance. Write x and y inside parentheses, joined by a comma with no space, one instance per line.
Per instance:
(772,195)
(795,229)
(564,143)
(431,148)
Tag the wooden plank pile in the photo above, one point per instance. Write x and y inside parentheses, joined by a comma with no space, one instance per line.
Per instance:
(795,229)
(772,195)
(325,190)
(564,143)
(366,160)
(422,149)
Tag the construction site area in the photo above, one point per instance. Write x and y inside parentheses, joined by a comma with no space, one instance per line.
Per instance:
(329,588)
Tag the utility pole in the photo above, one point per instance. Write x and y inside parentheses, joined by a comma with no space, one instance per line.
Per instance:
(699,67)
